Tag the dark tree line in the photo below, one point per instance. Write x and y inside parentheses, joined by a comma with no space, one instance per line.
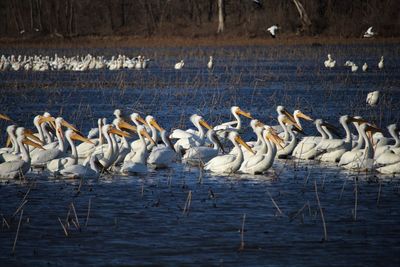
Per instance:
(192,18)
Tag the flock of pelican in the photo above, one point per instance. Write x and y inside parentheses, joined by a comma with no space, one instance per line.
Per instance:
(114,147)
(76,63)
(331,63)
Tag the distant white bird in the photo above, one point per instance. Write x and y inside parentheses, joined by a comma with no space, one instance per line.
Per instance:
(373,98)
(179,65)
(210,63)
(348,63)
(380,64)
(329,63)
(369,33)
(354,67)
(272,30)
(365,67)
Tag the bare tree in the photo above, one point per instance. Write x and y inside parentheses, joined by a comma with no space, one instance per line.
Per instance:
(220,16)
(305,21)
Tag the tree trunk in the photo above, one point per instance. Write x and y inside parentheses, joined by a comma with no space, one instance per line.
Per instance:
(305,21)
(220,16)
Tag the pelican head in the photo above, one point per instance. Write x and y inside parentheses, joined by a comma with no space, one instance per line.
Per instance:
(299,114)
(197,119)
(238,111)
(117,113)
(135,117)
(235,138)
(150,120)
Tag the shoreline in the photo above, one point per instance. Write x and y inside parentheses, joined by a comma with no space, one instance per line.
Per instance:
(132,41)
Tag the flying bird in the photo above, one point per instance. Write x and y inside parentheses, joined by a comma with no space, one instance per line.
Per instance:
(273,30)
(369,33)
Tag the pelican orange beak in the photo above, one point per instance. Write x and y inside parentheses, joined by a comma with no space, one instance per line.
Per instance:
(205,124)
(68,125)
(29,133)
(79,137)
(5,117)
(244,113)
(118,132)
(288,121)
(31,143)
(292,119)
(124,125)
(140,119)
(275,138)
(156,125)
(8,142)
(303,116)
(146,134)
(239,140)
(46,119)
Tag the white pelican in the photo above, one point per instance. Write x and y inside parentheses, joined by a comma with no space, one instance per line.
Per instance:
(200,154)
(124,147)
(17,168)
(39,158)
(358,148)
(365,66)
(135,161)
(227,164)
(80,171)
(137,120)
(365,161)
(261,162)
(7,151)
(179,65)
(333,149)
(369,33)
(235,125)
(161,156)
(387,154)
(210,63)
(107,153)
(273,30)
(307,148)
(257,146)
(380,64)
(329,63)
(294,119)
(287,150)
(190,138)
(85,149)
(373,98)
(354,67)
(58,164)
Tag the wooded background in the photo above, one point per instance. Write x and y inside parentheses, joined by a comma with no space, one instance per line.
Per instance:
(194,18)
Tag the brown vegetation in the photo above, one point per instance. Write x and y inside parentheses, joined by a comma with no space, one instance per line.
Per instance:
(194,19)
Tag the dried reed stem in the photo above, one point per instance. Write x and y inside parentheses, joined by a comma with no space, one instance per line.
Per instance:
(321,212)
(63,227)
(276,205)
(356,199)
(76,216)
(187,203)
(241,248)
(88,212)
(16,235)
